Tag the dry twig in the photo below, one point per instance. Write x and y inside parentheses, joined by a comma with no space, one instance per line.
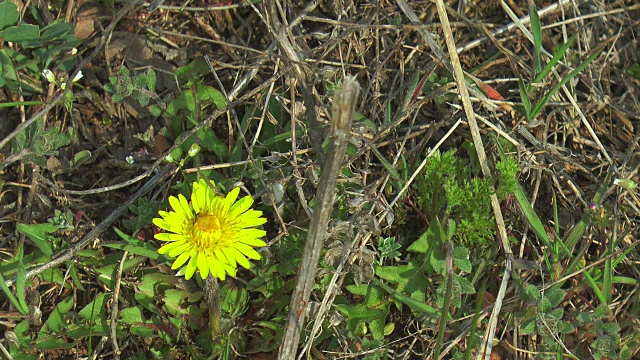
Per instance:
(343,108)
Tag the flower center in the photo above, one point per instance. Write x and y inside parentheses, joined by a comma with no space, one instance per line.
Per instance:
(208,231)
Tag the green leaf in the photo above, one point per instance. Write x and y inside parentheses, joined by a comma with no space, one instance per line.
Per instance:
(465,285)
(134,315)
(565,327)
(210,141)
(555,313)
(410,279)
(97,309)
(433,238)
(21,278)
(9,14)
(143,250)
(21,33)
(461,259)
(358,289)
(38,234)
(54,344)
(528,327)
(555,296)
(100,329)
(609,328)
(209,94)
(80,158)
(11,297)
(151,80)
(387,165)
(56,31)
(56,321)
(532,292)
(173,301)
(155,110)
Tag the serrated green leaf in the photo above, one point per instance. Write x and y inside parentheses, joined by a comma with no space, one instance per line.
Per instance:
(465,285)
(461,258)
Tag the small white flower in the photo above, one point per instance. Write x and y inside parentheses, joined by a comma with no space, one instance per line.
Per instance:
(74,51)
(77,77)
(129,159)
(63,85)
(169,158)
(48,75)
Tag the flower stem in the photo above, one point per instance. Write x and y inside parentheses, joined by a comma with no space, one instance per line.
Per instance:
(212,297)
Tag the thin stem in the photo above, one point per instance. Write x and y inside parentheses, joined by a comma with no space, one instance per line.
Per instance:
(212,296)
(447,298)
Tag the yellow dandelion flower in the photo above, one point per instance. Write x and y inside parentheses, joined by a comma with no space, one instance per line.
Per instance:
(213,233)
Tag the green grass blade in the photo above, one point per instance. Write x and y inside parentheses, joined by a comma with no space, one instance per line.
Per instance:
(536,30)
(410,93)
(21,103)
(387,165)
(624,280)
(579,229)
(595,287)
(532,218)
(21,279)
(413,304)
(12,299)
(608,265)
(545,99)
(555,59)
(524,96)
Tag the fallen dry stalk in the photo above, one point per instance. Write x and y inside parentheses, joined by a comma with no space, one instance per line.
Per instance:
(344,103)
